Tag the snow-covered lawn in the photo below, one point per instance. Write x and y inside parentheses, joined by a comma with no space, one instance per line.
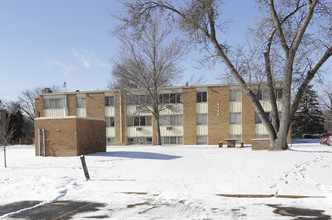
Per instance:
(174,182)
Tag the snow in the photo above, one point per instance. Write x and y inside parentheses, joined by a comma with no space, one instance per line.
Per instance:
(174,182)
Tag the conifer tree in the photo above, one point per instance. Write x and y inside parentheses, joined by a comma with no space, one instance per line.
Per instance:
(16,122)
(309,118)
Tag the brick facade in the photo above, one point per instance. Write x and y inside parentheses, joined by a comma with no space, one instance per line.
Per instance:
(39,107)
(218,114)
(261,144)
(120,118)
(217,109)
(69,136)
(189,116)
(71,104)
(95,105)
(248,119)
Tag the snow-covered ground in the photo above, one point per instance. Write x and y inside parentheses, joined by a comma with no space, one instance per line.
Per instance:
(174,182)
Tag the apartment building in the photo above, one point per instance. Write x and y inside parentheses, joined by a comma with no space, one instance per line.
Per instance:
(189,115)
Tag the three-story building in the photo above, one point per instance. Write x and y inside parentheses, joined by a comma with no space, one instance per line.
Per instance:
(189,115)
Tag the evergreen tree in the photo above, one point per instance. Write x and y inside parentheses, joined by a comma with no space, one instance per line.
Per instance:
(309,118)
(16,122)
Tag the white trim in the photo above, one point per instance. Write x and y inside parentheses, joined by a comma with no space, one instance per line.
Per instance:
(109,94)
(81,95)
(55,96)
(69,117)
(201,89)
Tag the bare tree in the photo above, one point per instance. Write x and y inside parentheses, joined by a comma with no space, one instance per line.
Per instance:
(147,62)
(6,134)
(293,31)
(27,100)
(326,105)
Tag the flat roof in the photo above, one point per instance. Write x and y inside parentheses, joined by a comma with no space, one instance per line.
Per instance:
(142,89)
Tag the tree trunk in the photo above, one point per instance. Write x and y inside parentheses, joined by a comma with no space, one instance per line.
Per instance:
(158,133)
(158,128)
(281,142)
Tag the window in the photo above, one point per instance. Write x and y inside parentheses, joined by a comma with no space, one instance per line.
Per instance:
(235,95)
(201,119)
(109,100)
(130,140)
(201,97)
(235,118)
(139,140)
(257,118)
(202,139)
(170,98)
(54,103)
(178,98)
(109,121)
(279,93)
(130,100)
(170,120)
(263,95)
(166,98)
(110,141)
(81,102)
(139,121)
(172,140)
(138,99)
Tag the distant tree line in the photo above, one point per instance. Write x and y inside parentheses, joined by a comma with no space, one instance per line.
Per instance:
(20,114)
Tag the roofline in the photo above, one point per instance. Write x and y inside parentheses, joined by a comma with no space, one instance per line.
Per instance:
(138,90)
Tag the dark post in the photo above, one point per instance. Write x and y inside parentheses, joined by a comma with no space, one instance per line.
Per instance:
(85,168)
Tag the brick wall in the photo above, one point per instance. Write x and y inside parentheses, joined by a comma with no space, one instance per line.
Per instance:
(260,144)
(248,119)
(91,140)
(60,137)
(120,98)
(39,107)
(189,116)
(71,104)
(95,105)
(218,122)
(70,136)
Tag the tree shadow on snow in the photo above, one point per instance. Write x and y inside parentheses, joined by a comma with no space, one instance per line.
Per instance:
(137,155)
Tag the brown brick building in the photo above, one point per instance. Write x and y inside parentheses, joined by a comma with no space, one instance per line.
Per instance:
(189,114)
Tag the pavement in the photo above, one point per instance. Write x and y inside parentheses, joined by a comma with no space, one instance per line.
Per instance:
(52,211)
(65,210)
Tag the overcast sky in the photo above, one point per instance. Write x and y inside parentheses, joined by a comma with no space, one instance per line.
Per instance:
(49,42)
